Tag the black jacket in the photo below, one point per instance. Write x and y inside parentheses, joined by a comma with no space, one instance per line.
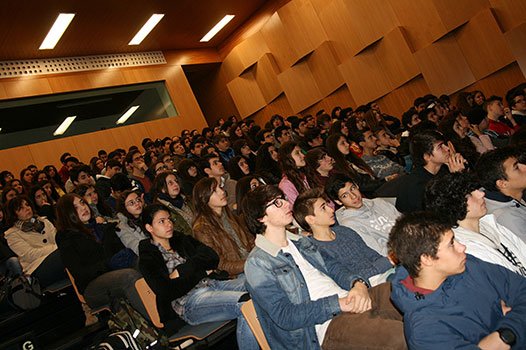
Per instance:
(199,259)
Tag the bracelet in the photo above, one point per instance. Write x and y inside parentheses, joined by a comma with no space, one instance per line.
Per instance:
(361,280)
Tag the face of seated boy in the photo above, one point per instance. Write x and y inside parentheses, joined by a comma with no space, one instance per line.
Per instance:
(350,196)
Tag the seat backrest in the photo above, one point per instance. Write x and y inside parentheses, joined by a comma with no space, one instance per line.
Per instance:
(149,300)
(80,296)
(249,312)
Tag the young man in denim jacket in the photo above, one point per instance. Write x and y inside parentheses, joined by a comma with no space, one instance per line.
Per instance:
(304,301)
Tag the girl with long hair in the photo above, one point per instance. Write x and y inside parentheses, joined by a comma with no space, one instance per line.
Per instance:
(101,211)
(292,164)
(188,175)
(95,256)
(130,206)
(348,163)
(267,165)
(319,166)
(218,228)
(167,191)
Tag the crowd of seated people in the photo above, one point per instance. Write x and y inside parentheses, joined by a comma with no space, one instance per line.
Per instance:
(217,213)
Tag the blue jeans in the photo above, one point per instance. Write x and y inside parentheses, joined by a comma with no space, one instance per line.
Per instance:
(220,302)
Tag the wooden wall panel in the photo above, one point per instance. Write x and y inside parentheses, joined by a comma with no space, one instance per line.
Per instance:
(341,97)
(302,27)
(364,77)
(279,106)
(15,159)
(232,65)
(246,94)
(397,61)
(499,82)
(455,13)
(163,127)
(49,152)
(444,67)
(509,13)
(23,87)
(322,63)
(480,40)
(399,100)
(299,86)
(276,38)
(87,145)
(245,55)
(266,74)
(69,82)
(421,21)
(516,39)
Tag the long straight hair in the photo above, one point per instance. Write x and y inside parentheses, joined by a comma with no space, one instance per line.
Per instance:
(289,168)
(342,163)
(67,217)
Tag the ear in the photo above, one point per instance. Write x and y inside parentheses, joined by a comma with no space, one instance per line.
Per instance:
(149,228)
(501,184)
(207,171)
(426,260)
(310,219)
(337,201)
(361,143)
(427,157)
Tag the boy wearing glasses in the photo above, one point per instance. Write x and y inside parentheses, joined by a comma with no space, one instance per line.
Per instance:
(372,219)
(305,301)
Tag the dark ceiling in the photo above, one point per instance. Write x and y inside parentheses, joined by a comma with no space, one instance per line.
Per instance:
(104,27)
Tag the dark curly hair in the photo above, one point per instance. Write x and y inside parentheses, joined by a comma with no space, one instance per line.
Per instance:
(254,206)
(414,235)
(446,196)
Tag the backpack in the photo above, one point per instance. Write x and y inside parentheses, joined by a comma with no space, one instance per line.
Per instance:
(21,293)
(143,333)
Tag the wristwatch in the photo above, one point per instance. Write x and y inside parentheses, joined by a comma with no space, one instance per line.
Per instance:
(507,336)
(361,281)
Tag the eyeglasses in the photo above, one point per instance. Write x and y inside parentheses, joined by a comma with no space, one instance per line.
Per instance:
(132,202)
(278,202)
(161,168)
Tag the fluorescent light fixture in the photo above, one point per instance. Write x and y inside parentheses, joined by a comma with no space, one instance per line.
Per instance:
(55,33)
(146,29)
(64,126)
(127,115)
(220,25)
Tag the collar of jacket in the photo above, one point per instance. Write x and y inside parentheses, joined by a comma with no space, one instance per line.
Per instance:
(263,243)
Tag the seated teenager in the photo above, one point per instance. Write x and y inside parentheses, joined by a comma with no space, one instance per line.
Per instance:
(431,157)
(130,228)
(182,273)
(42,203)
(218,228)
(450,299)
(502,173)
(313,213)
(456,198)
(243,186)
(80,175)
(319,165)
(388,146)
(119,183)
(238,167)
(188,176)
(372,219)
(305,301)
(101,211)
(166,190)
(267,165)
(292,164)
(32,239)
(382,167)
(211,166)
(137,174)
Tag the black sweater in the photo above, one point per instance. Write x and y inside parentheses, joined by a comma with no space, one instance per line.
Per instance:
(199,259)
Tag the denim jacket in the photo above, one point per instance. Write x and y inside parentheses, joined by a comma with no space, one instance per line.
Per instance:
(281,298)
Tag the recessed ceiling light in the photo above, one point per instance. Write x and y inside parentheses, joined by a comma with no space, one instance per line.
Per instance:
(146,29)
(220,25)
(127,115)
(64,126)
(55,33)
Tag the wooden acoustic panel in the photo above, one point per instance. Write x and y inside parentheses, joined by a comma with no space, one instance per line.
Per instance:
(483,45)
(396,59)
(246,94)
(15,159)
(455,13)
(49,152)
(509,13)
(444,67)
(300,86)
(401,99)
(279,106)
(364,77)
(266,74)
(341,97)
(88,145)
(244,55)
(302,27)
(161,128)
(516,39)
(500,82)
(24,87)
(276,38)
(322,63)
(420,20)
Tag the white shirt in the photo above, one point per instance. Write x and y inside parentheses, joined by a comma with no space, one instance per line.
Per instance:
(319,284)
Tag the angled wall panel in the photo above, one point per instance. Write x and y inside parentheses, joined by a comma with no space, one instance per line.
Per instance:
(444,67)
(266,74)
(276,38)
(516,39)
(484,45)
(457,12)
(322,63)
(399,100)
(299,86)
(509,13)
(246,94)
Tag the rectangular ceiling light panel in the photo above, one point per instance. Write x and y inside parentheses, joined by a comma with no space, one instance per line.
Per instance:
(55,33)
(146,28)
(64,126)
(220,25)
(127,115)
